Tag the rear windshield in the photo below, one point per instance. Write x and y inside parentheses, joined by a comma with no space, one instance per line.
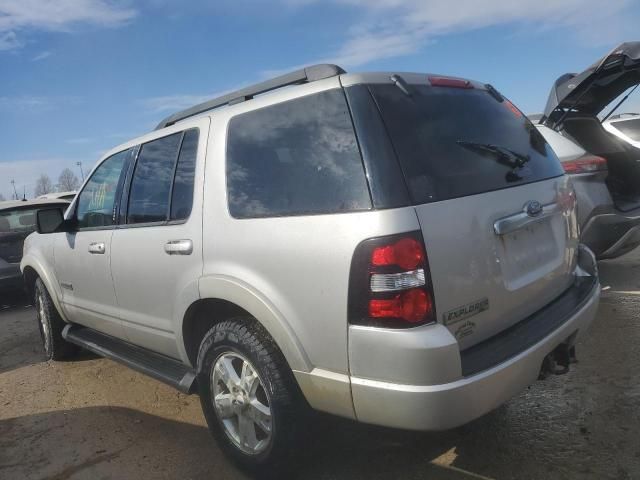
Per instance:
(17,221)
(631,128)
(453,142)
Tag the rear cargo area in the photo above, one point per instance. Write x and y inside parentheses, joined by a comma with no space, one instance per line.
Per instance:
(623,160)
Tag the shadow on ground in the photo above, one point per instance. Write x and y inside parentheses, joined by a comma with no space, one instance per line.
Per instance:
(77,444)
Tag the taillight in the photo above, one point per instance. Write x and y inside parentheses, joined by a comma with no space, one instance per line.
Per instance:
(389,284)
(585,164)
(450,82)
(406,253)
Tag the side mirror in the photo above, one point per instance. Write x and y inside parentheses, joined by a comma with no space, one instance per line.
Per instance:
(49,220)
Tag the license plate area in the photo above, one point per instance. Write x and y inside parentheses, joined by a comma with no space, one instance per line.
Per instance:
(529,253)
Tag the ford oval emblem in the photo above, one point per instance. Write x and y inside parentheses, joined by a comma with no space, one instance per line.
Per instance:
(533,208)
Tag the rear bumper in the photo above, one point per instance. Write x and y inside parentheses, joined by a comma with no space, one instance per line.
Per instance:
(441,404)
(612,234)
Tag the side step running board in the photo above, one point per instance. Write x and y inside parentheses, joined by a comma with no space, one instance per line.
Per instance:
(165,369)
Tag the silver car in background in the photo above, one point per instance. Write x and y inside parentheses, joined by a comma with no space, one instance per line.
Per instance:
(603,165)
(17,221)
(399,249)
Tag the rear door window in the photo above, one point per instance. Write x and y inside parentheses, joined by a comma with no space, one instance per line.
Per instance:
(295,158)
(182,194)
(453,142)
(152,179)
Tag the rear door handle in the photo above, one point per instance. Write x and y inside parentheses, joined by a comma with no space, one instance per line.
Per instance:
(179,247)
(97,248)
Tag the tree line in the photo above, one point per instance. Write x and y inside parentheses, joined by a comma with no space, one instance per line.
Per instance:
(67,182)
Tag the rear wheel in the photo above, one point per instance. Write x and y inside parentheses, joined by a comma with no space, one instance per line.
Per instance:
(51,325)
(248,395)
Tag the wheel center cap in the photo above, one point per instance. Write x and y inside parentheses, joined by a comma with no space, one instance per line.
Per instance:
(240,400)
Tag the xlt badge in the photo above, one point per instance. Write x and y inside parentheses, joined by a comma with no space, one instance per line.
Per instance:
(465,311)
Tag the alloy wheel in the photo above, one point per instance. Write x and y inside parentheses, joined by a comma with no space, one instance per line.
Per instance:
(242,403)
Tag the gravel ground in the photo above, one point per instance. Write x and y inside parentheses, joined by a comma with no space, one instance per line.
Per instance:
(94,419)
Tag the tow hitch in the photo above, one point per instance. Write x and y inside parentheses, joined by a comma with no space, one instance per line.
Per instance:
(558,361)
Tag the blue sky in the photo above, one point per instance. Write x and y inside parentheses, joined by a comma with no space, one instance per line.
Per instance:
(78,77)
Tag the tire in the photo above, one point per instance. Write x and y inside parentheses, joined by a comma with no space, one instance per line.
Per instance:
(237,344)
(51,324)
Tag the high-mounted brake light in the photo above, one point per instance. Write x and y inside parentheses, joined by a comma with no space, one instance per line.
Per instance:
(585,164)
(450,82)
(390,285)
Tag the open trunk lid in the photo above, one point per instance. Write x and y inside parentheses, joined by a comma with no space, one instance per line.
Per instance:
(496,212)
(573,106)
(591,91)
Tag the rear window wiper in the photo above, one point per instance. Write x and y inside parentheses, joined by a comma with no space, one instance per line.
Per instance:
(504,155)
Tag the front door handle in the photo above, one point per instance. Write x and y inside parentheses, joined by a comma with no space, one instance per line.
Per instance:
(97,248)
(179,247)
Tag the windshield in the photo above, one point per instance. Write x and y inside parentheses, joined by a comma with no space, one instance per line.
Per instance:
(18,221)
(453,142)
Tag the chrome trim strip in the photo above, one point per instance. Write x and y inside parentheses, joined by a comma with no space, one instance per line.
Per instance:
(520,220)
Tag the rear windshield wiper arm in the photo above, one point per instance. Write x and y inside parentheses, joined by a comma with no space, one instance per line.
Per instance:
(504,155)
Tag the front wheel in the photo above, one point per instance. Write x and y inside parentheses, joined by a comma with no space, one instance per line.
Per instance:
(51,325)
(249,396)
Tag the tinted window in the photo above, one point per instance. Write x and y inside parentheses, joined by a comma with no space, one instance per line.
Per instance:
(18,220)
(297,157)
(151,184)
(446,141)
(97,200)
(15,225)
(631,128)
(182,195)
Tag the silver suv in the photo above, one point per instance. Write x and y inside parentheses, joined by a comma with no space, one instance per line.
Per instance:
(397,249)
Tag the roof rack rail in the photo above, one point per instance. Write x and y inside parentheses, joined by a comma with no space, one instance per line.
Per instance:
(304,75)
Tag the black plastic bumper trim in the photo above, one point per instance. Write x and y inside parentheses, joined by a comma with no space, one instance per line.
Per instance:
(526,333)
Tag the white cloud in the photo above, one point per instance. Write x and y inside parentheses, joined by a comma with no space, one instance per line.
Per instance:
(175,103)
(56,15)
(41,56)
(24,103)
(35,103)
(168,103)
(80,140)
(391,28)
(9,41)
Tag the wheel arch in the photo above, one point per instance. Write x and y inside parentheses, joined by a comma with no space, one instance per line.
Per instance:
(32,269)
(223,297)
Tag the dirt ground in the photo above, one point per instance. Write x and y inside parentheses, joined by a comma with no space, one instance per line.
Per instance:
(94,419)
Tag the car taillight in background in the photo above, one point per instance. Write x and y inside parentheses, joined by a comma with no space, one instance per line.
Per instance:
(585,164)
(390,284)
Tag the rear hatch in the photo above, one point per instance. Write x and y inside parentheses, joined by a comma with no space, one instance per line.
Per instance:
(496,212)
(576,100)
